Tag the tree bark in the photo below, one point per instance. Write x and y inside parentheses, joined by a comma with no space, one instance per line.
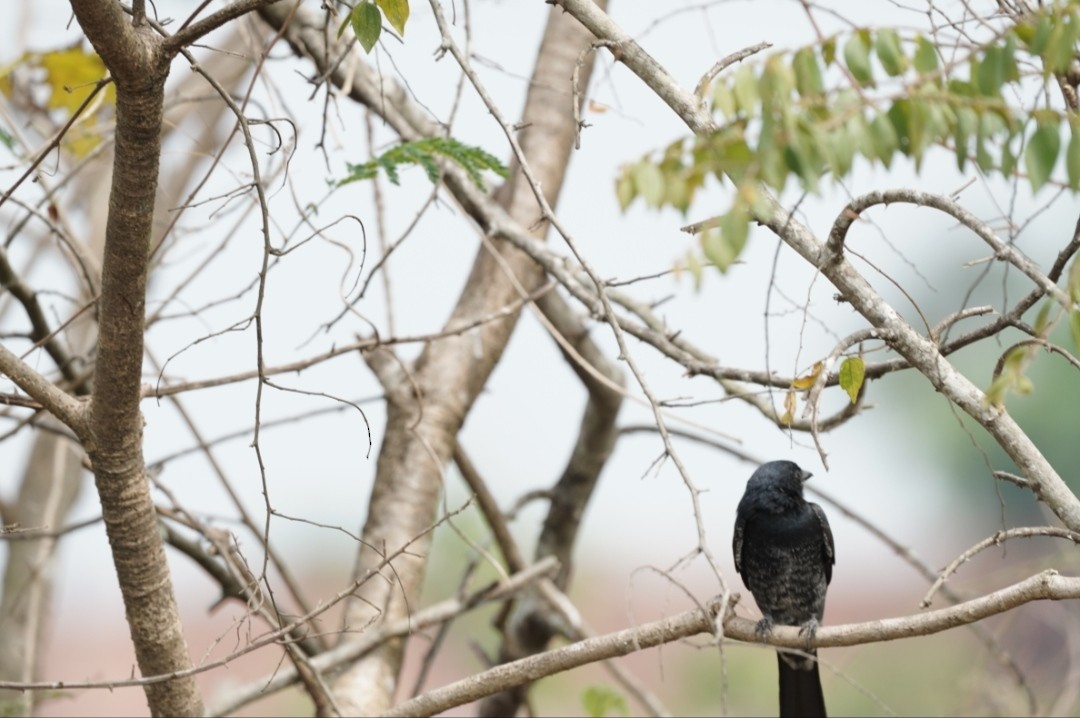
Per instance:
(425,411)
(49,487)
(139,69)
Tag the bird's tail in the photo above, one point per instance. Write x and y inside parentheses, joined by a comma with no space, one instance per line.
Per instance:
(800,688)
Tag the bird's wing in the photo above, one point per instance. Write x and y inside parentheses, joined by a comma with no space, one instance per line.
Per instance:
(737,540)
(826,534)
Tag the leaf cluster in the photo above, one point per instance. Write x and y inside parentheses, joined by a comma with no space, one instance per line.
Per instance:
(892,96)
(851,375)
(425,153)
(366,20)
(58,82)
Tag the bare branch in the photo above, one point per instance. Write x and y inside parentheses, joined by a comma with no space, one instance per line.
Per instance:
(724,63)
(193,32)
(377,635)
(997,539)
(1002,250)
(920,351)
(62,405)
(1047,585)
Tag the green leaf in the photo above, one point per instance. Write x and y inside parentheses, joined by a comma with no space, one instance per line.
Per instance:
(961,88)
(803,157)
(1041,154)
(649,182)
(988,74)
(990,124)
(746,89)
(839,150)
(1040,34)
(828,51)
(776,83)
(600,701)
(396,12)
(736,228)
(1074,280)
(883,139)
(732,155)
(1072,155)
(967,121)
(715,249)
(1008,160)
(857,57)
(1015,359)
(1074,327)
(1024,385)
(624,190)
(1012,72)
(995,395)
(770,159)
(852,374)
(1042,320)
(926,59)
(1011,376)
(906,121)
(694,266)
(890,52)
(723,244)
(1060,46)
(807,73)
(928,125)
(423,153)
(724,99)
(367,24)
(677,192)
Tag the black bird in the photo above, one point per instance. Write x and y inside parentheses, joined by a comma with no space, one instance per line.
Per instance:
(784,550)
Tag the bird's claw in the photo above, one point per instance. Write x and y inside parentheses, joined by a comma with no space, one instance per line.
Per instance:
(763,628)
(809,629)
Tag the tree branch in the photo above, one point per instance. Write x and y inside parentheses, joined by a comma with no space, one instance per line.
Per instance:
(1002,250)
(449,374)
(193,32)
(920,351)
(1048,585)
(997,539)
(62,405)
(347,652)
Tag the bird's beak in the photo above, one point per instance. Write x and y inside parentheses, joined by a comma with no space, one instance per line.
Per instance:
(805,476)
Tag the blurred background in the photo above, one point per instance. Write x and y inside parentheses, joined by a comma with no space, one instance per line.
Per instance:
(910,466)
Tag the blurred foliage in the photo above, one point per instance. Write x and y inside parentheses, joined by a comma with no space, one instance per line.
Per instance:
(888,95)
(1045,411)
(58,83)
(601,701)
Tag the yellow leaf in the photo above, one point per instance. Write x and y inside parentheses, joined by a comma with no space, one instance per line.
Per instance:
(396,13)
(6,86)
(71,73)
(807,380)
(790,405)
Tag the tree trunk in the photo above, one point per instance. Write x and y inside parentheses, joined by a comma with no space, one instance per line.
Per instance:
(422,424)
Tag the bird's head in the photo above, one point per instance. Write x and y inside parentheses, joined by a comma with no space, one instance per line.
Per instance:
(785,476)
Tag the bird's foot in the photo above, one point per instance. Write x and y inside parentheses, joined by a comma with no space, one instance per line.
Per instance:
(809,629)
(763,628)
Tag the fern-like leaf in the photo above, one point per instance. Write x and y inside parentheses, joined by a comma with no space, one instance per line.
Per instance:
(425,153)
